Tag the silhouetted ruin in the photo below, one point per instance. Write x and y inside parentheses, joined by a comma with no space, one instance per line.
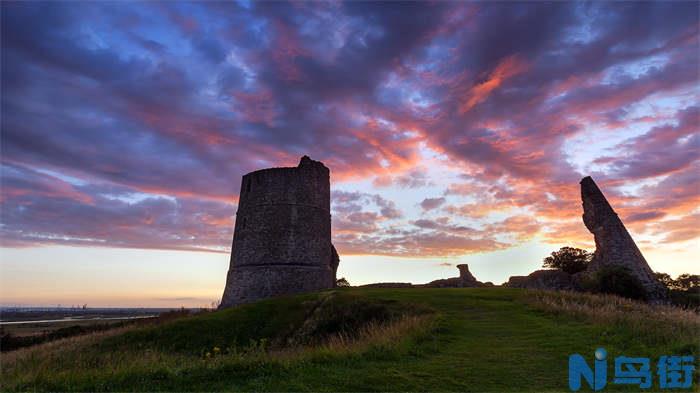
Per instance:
(465,280)
(614,246)
(282,237)
(543,279)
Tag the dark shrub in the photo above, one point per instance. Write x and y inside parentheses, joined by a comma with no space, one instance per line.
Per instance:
(619,281)
(688,282)
(665,279)
(569,259)
(684,282)
(687,299)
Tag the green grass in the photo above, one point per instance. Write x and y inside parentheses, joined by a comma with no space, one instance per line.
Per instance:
(363,339)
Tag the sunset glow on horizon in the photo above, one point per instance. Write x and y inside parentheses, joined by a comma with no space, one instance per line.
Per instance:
(455,132)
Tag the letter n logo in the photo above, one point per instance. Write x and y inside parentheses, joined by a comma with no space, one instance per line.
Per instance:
(578,368)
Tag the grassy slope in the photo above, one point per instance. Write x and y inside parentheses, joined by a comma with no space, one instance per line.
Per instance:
(491,339)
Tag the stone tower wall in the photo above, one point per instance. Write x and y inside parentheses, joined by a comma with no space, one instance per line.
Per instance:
(282,237)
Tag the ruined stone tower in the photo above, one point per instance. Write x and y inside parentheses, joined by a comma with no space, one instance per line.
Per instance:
(282,237)
(613,244)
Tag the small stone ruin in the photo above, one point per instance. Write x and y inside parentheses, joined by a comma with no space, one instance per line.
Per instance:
(465,280)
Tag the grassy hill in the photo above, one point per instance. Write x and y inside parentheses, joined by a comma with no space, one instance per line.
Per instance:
(360,339)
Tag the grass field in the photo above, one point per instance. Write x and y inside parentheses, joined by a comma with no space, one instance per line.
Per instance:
(32,329)
(359,339)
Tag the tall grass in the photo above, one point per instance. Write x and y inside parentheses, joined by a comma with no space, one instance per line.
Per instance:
(7,359)
(82,363)
(375,336)
(651,324)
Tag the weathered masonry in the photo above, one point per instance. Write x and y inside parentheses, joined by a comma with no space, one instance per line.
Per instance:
(613,244)
(282,237)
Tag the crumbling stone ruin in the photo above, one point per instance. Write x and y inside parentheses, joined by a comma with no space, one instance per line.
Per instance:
(465,280)
(613,244)
(282,237)
(614,248)
(542,279)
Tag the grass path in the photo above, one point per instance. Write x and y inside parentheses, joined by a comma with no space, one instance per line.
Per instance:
(486,342)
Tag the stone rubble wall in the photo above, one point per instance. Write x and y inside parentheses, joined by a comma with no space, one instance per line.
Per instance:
(542,279)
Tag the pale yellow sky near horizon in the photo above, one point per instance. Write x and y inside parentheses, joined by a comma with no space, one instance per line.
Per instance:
(121,277)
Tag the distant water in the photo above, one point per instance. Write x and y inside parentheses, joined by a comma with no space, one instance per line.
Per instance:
(71,319)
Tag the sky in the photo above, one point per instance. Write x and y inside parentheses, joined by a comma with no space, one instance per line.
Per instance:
(455,132)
